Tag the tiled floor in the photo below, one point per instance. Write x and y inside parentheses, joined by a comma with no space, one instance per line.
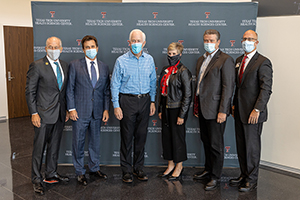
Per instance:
(16,137)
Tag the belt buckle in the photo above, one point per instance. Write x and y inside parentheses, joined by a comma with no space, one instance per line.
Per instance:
(139,95)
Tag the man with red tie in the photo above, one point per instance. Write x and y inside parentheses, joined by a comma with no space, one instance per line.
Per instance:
(252,93)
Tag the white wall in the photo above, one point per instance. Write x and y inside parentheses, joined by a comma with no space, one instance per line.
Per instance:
(278,41)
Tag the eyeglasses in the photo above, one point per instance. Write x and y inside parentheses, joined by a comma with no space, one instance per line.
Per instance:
(249,39)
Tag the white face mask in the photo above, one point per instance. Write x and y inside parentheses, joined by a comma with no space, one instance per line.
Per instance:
(53,54)
(248,46)
(210,47)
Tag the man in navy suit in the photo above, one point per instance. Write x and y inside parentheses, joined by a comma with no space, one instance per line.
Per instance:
(88,97)
(45,95)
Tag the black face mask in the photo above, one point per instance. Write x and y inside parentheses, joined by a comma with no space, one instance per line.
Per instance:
(173,60)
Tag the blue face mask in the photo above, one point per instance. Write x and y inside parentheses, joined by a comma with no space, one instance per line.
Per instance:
(91,53)
(210,47)
(136,47)
(248,46)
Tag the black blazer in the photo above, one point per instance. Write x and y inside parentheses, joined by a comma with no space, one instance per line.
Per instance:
(255,88)
(42,93)
(217,86)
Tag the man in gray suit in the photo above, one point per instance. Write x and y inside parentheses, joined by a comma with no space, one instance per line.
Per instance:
(215,85)
(253,89)
(45,95)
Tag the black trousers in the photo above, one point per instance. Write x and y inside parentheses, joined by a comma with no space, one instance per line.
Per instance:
(173,135)
(49,134)
(213,141)
(134,128)
(248,143)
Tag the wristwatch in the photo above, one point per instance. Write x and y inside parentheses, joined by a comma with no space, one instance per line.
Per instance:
(256,110)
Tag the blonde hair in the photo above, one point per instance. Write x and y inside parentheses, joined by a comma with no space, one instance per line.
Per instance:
(176,46)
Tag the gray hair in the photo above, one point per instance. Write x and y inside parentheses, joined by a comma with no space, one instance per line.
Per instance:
(212,32)
(137,30)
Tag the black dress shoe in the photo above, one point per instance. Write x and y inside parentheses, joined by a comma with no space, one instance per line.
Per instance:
(38,188)
(236,181)
(162,175)
(99,174)
(201,175)
(176,178)
(212,185)
(56,178)
(82,179)
(127,178)
(140,174)
(247,187)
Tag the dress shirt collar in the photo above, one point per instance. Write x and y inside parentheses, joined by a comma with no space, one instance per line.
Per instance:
(250,55)
(88,61)
(132,55)
(210,55)
(52,61)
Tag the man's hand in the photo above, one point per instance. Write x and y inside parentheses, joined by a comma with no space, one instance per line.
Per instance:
(159,115)
(105,116)
(221,117)
(36,120)
(253,118)
(74,115)
(232,111)
(180,121)
(152,109)
(118,113)
(67,116)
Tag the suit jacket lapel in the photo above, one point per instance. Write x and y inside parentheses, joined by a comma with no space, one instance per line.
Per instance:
(84,68)
(249,66)
(99,70)
(50,71)
(212,62)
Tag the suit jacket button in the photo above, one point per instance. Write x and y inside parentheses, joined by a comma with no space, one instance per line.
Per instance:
(92,99)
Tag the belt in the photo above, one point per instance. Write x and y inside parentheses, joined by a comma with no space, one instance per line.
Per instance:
(137,95)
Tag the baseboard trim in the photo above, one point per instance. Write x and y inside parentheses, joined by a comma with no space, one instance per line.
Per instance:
(280,168)
(2,119)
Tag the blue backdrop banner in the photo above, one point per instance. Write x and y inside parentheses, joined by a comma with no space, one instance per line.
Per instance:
(162,23)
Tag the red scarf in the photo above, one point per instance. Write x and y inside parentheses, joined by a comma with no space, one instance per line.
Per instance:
(165,79)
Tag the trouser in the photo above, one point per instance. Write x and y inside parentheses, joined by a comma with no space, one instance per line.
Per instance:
(213,141)
(80,128)
(248,143)
(134,128)
(49,134)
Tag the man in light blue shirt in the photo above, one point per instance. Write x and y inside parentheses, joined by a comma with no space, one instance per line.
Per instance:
(133,88)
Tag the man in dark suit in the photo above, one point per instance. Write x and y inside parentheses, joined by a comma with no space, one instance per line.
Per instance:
(45,95)
(214,90)
(253,90)
(88,97)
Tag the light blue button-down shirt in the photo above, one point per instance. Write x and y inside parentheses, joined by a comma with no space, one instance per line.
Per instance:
(133,76)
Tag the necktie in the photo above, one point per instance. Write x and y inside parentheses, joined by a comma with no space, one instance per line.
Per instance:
(58,75)
(242,69)
(93,74)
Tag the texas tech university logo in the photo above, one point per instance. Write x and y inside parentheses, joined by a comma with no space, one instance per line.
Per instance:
(154,122)
(155,14)
(207,14)
(227,149)
(232,42)
(78,42)
(103,14)
(180,41)
(52,13)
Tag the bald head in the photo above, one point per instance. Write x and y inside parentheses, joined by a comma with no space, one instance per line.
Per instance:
(250,34)
(55,40)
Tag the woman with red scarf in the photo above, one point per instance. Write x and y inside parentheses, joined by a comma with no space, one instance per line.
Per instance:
(174,101)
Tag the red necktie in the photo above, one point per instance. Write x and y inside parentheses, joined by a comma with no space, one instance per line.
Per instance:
(242,69)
